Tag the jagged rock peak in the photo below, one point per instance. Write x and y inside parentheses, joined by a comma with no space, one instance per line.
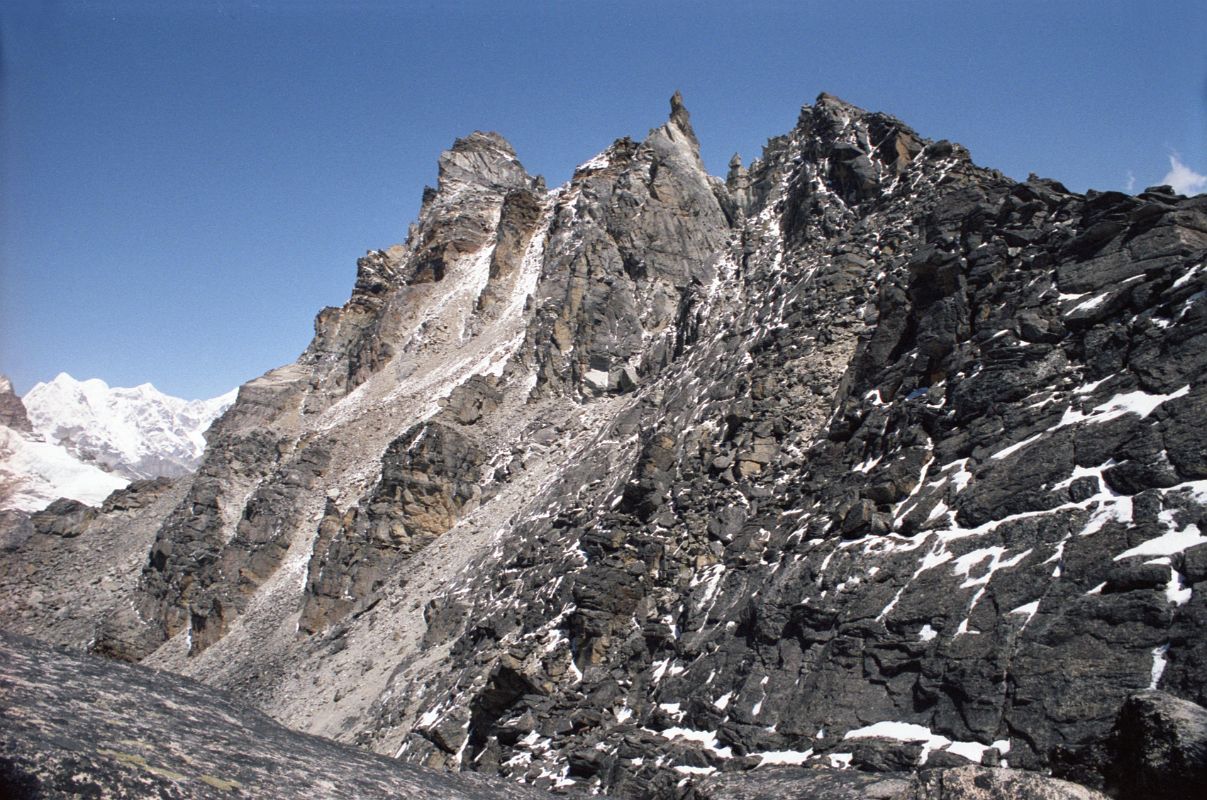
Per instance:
(840,115)
(680,119)
(833,118)
(679,475)
(845,152)
(483,159)
(12,410)
(829,101)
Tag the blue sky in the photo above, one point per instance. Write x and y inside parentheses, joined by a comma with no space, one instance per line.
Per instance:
(184,185)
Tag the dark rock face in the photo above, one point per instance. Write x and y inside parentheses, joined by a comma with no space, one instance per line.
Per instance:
(430,479)
(866,456)
(871,512)
(15,528)
(974,783)
(200,577)
(613,285)
(85,727)
(815,784)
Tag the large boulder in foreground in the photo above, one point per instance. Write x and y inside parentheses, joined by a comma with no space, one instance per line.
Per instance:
(1159,749)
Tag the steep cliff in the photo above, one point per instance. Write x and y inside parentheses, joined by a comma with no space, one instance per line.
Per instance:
(864,457)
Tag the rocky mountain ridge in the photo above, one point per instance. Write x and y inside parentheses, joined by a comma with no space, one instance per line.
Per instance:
(862,457)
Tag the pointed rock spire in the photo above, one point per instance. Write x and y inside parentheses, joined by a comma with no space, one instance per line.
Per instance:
(681,119)
(737,172)
(737,181)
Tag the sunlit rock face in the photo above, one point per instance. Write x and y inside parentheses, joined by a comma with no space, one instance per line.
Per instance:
(865,458)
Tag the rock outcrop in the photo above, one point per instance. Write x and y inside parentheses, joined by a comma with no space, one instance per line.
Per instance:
(12,410)
(951,783)
(865,457)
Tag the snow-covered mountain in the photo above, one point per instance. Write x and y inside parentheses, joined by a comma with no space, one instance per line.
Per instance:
(136,433)
(34,474)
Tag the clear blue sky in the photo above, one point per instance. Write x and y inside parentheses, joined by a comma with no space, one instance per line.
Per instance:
(184,185)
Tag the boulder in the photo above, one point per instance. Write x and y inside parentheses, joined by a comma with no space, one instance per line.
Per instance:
(1158,749)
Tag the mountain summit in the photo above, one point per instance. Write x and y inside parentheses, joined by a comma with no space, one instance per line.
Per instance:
(34,472)
(136,433)
(82,440)
(865,466)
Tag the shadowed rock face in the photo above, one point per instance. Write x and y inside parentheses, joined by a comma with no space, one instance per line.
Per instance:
(86,727)
(867,455)
(430,479)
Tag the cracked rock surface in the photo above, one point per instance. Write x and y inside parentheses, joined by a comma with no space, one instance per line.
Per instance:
(79,726)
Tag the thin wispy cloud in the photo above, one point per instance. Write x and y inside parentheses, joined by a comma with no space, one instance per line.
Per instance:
(1182,178)
(1131,182)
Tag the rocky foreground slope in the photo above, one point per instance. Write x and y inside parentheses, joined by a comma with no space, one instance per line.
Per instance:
(863,457)
(83,727)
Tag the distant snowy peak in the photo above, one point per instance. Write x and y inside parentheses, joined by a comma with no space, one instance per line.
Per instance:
(137,432)
(34,474)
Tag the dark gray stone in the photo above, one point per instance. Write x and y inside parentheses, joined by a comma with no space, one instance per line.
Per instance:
(12,410)
(1158,749)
